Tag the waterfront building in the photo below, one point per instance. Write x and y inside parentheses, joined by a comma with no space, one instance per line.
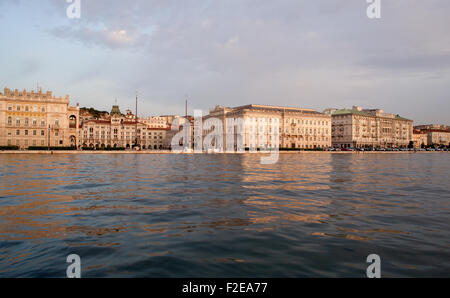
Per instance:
(420,138)
(119,131)
(157,121)
(435,134)
(439,137)
(369,128)
(37,119)
(172,130)
(298,128)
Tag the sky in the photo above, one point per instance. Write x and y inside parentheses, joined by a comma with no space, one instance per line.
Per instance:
(301,53)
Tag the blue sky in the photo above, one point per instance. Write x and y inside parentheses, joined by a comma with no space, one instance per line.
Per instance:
(313,54)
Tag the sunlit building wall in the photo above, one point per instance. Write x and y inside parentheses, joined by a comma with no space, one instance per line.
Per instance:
(37,119)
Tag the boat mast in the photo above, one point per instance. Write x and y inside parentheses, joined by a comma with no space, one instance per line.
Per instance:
(136,124)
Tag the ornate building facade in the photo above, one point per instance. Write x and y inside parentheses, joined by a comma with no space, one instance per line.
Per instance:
(29,119)
(119,131)
(298,128)
(358,128)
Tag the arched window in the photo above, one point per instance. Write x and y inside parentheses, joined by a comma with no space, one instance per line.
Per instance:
(9,120)
(72,121)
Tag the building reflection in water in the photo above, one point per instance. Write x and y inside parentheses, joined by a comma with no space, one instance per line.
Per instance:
(281,193)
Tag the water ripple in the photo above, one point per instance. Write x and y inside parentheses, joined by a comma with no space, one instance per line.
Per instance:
(316,215)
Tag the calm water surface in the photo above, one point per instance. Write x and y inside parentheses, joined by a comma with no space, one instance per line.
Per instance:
(309,215)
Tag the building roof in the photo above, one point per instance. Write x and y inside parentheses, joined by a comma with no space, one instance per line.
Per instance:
(434,130)
(157,128)
(363,113)
(33,96)
(268,107)
(419,132)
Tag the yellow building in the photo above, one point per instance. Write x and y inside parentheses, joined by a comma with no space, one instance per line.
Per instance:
(37,119)
(420,139)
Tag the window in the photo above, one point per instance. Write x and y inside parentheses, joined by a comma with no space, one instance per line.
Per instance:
(26,132)
(18,108)
(34,132)
(27,108)
(17,132)
(9,120)
(42,133)
(26,121)
(10,108)
(43,109)
(34,122)
(42,122)
(18,121)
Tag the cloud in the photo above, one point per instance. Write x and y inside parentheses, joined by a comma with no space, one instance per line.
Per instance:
(119,37)
(289,52)
(109,38)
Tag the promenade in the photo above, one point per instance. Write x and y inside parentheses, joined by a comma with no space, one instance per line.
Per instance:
(170,152)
